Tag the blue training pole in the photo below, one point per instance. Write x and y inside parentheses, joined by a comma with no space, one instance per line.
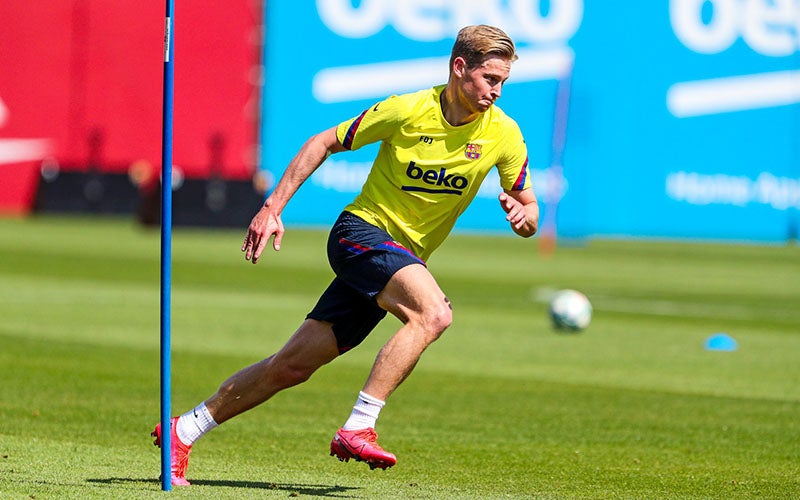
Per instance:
(166,246)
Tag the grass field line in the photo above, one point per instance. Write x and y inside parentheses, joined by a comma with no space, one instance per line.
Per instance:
(672,308)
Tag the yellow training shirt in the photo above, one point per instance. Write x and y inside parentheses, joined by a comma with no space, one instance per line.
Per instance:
(427,171)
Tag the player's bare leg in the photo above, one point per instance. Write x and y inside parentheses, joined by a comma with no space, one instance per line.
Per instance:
(416,299)
(312,346)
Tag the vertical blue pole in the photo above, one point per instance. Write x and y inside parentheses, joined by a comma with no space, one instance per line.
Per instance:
(166,246)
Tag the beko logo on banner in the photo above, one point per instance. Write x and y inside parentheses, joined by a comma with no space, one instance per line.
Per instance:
(432,21)
(768,27)
(427,21)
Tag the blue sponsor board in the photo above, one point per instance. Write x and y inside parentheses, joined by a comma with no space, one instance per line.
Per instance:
(683,116)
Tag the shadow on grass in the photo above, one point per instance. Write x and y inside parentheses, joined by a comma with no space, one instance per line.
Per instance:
(318,490)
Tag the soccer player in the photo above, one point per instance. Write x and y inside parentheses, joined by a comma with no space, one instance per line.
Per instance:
(437,145)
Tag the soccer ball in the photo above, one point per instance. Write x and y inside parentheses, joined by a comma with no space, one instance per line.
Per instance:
(570,310)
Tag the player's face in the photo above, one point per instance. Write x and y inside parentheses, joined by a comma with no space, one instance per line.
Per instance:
(481,86)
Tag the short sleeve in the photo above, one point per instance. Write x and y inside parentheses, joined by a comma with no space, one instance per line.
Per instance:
(374,124)
(513,163)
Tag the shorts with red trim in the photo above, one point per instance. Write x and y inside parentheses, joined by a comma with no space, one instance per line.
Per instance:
(364,258)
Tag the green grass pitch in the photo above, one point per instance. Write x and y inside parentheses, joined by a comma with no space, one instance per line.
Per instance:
(500,407)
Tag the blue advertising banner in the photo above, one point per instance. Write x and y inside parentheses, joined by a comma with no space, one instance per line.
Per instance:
(682,117)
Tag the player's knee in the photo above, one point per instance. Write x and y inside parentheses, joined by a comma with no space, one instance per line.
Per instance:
(437,319)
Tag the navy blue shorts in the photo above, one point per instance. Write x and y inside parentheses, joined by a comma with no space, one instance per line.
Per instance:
(364,259)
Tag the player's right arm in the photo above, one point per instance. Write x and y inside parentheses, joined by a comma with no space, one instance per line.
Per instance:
(267,222)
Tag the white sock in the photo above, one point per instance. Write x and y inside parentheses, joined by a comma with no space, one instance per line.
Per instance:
(194,423)
(365,412)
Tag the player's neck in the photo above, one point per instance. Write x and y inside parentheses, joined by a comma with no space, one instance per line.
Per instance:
(453,111)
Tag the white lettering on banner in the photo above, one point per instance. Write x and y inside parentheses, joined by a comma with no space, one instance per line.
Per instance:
(433,20)
(772,27)
(707,38)
(344,176)
(769,27)
(781,193)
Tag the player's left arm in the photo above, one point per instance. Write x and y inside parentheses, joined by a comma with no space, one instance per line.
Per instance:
(522,211)
(517,199)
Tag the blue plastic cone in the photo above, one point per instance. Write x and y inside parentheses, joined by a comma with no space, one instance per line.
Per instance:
(721,342)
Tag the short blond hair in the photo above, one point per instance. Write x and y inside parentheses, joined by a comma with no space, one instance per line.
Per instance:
(476,43)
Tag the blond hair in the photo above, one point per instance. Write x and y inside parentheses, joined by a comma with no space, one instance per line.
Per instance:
(475,43)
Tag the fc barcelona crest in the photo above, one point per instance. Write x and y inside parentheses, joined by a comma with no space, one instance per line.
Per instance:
(473,151)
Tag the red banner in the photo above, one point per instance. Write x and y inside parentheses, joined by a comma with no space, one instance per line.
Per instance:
(82,81)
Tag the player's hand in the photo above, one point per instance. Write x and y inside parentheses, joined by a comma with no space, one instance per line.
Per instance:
(265,224)
(515,211)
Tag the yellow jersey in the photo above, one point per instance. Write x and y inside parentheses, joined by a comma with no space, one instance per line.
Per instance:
(427,171)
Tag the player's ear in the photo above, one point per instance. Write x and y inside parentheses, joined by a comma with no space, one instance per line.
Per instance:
(459,66)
